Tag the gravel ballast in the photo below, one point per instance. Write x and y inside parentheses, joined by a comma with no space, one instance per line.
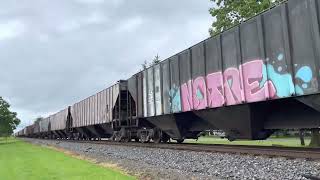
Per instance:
(149,163)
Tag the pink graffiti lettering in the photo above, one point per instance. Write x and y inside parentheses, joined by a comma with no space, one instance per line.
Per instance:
(233,86)
(215,89)
(199,93)
(186,93)
(272,90)
(252,75)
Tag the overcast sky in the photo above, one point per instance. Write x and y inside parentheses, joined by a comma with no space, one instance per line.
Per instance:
(55,53)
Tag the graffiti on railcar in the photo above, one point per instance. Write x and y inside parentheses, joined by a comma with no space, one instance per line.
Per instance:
(257,86)
(253,81)
(277,72)
(199,91)
(304,80)
(174,95)
(157,88)
(301,83)
(217,89)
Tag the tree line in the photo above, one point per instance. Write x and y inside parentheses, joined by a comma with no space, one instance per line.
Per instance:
(8,119)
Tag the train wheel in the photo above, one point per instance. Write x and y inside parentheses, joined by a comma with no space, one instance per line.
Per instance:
(165,138)
(113,138)
(116,137)
(157,135)
(144,138)
(157,140)
(127,139)
(180,141)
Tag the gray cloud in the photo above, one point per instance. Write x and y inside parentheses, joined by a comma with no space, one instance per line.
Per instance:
(55,53)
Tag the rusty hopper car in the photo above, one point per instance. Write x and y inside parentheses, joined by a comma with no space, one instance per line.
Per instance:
(29,131)
(44,127)
(36,129)
(104,114)
(58,123)
(248,81)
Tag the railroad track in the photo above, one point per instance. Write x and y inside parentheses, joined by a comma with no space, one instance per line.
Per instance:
(270,151)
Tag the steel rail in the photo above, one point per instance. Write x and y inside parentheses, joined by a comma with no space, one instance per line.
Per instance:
(269,151)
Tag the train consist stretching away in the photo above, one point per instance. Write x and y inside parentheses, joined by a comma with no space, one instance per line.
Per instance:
(248,81)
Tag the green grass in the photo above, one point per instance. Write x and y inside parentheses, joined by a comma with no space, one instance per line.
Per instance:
(7,140)
(290,141)
(21,160)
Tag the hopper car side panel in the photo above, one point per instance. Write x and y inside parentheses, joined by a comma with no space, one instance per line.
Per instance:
(271,56)
(58,121)
(133,93)
(96,109)
(150,93)
(166,86)
(44,125)
(186,84)
(157,89)
(140,101)
(174,92)
(304,38)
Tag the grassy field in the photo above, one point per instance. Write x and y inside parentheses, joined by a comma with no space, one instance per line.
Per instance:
(292,142)
(6,140)
(21,160)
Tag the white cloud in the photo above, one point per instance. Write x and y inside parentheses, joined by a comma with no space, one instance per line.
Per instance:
(130,24)
(11,29)
(99,2)
(68,26)
(43,37)
(95,18)
(91,1)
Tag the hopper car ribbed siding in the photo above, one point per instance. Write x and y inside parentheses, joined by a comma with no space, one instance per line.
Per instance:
(36,129)
(248,81)
(58,124)
(95,116)
(44,127)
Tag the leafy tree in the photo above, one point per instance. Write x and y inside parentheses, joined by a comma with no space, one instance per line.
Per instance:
(38,119)
(144,65)
(8,119)
(156,60)
(229,13)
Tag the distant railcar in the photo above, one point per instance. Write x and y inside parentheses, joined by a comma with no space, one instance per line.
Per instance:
(45,127)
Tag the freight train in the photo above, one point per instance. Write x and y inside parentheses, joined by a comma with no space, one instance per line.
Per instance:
(249,81)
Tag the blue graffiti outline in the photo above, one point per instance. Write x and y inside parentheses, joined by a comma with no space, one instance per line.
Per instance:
(175,102)
(283,83)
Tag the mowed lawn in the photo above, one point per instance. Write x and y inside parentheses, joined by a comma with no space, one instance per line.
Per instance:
(23,161)
(290,141)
